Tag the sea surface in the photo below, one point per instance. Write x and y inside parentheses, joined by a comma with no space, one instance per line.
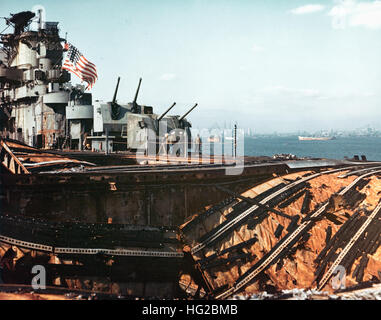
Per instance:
(331,149)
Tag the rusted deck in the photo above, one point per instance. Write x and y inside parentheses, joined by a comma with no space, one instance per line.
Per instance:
(19,158)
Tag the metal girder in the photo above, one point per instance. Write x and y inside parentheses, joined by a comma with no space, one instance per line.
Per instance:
(10,161)
(253,202)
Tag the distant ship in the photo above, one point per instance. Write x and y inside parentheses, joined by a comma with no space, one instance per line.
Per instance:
(316,138)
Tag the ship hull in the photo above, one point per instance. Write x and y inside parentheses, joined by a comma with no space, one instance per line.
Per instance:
(315,138)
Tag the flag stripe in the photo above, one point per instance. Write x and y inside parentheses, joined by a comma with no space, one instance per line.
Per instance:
(85,61)
(80,65)
(78,72)
(87,68)
(87,64)
(81,75)
(76,63)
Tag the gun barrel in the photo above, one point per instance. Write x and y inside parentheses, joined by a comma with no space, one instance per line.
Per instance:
(116,91)
(166,111)
(137,91)
(191,109)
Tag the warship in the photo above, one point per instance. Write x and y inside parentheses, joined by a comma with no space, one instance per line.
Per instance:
(75,200)
(51,129)
(315,138)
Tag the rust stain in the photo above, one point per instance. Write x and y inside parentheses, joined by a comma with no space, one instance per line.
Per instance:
(28,158)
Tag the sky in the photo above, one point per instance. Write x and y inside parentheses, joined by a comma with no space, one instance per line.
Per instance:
(271,65)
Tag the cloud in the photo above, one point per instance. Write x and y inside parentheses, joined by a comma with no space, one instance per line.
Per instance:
(309,8)
(167,76)
(255,48)
(350,13)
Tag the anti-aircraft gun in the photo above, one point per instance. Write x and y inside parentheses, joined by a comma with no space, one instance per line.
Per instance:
(143,119)
(111,122)
(117,123)
(179,126)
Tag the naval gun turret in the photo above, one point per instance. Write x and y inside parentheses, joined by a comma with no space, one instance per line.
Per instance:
(130,126)
(114,123)
(178,127)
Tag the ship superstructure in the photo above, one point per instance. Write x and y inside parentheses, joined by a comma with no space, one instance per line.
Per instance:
(41,108)
(34,90)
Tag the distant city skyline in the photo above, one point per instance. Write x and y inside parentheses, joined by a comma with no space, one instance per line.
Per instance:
(281,66)
(359,131)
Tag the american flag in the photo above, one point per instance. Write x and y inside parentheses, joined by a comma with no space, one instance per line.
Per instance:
(76,63)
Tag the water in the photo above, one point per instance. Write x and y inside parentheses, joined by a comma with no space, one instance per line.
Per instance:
(331,149)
